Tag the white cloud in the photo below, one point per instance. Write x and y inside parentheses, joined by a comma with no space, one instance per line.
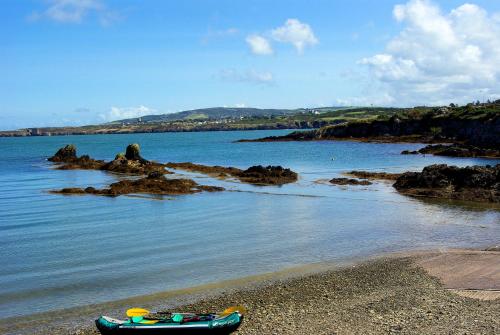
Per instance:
(439,57)
(74,11)
(249,76)
(259,45)
(375,100)
(295,32)
(118,113)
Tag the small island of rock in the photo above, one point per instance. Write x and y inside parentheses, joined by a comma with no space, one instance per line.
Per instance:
(349,181)
(129,163)
(455,150)
(472,183)
(257,175)
(154,183)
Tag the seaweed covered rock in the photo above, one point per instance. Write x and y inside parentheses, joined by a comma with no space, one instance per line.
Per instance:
(129,163)
(456,150)
(270,175)
(68,160)
(258,175)
(64,154)
(472,183)
(137,167)
(133,152)
(373,175)
(215,171)
(84,162)
(409,152)
(154,183)
(349,181)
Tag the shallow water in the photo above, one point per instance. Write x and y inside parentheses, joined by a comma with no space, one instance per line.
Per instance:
(65,251)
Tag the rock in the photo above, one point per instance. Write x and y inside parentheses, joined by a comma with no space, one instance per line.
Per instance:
(133,152)
(153,184)
(349,181)
(72,190)
(373,175)
(408,152)
(459,150)
(258,175)
(65,154)
(270,175)
(472,183)
(155,175)
(215,171)
(84,162)
(136,165)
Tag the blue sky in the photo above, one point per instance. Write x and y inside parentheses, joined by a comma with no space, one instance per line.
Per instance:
(88,61)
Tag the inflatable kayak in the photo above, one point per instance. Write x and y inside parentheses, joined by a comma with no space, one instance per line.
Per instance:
(176,323)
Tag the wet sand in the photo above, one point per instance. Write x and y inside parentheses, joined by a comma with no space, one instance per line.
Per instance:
(397,294)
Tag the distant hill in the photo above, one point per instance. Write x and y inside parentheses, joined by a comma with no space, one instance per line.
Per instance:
(220,113)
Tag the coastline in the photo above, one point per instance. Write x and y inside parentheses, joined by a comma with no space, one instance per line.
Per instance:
(340,290)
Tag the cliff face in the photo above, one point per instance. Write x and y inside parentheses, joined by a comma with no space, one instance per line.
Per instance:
(440,125)
(481,132)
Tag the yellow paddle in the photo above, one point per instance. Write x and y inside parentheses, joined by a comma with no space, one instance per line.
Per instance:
(232,309)
(143,312)
(137,312)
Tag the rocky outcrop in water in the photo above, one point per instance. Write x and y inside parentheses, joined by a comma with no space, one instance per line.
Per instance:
(373,175)
(154,183)
(472,183)
(68,159)
(64,154)
(214,171)
(257,175)
(270,175)
(129,163)
(349,181)
(455,150)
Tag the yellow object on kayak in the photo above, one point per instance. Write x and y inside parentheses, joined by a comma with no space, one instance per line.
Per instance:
(242,310)
(137,312)
(149,322)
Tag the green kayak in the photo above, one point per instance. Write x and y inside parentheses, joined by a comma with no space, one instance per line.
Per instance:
(177,323)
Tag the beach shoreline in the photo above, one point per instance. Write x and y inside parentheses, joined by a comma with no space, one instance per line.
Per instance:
(383,287)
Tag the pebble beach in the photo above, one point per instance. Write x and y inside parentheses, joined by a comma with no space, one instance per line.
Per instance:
(390,295)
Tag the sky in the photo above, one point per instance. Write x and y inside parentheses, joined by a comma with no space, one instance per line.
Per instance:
(75,62)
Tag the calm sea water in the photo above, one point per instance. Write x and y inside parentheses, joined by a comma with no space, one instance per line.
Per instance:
(64,251)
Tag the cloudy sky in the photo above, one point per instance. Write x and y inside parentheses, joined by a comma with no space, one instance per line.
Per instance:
(90,61)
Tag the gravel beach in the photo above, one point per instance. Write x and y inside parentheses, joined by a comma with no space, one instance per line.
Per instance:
(393,295)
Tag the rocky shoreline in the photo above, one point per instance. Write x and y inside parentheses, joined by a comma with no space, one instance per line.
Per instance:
(393,295)
(455,150)
(472,130)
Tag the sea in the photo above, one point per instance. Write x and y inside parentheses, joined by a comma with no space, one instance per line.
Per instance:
(59,252)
